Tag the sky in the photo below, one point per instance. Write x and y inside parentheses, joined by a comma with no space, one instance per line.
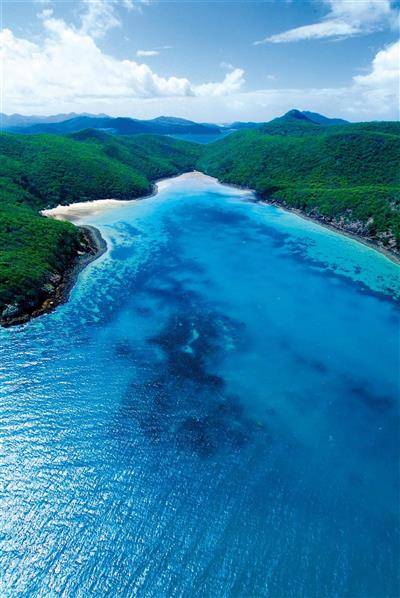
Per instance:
(209,61)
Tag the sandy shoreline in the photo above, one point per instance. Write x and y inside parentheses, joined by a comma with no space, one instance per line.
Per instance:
(75,211)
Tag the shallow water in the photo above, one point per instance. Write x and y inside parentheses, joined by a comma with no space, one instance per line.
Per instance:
(213,413)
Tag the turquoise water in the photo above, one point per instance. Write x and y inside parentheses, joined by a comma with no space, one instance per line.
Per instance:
(213,413)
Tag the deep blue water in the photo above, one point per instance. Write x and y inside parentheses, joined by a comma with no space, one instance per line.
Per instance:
(212,414)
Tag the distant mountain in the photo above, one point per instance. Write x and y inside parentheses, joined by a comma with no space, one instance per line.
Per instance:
(180,126)
(178,123)
(295,116)
(238,125)
(320,119)
(297,123)
(62,124)
(292,116)
(20,120)
(163,125)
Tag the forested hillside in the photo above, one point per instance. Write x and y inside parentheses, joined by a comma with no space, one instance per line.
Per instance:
(42,171)
(344,174)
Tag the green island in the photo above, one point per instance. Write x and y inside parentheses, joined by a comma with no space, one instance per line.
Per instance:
(346,175)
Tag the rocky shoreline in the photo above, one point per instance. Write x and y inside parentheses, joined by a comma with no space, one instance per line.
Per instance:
(354,230)
(59,286)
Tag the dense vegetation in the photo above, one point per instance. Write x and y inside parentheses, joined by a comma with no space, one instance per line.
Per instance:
(344,174)
(43,171)
(34,250)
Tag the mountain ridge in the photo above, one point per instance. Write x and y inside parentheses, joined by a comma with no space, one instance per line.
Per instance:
(120,125)
(162,125)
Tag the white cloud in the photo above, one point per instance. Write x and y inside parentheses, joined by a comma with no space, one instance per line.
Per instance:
(232,83)
(68,71)
(45,13)
(140,53)
(371,96)
(227,65)
(344,19)
(315,31)
(99,17)
(374,95)
(384,69)
(69,68)
(380,87)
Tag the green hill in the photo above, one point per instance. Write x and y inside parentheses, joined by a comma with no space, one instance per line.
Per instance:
(42,171)
(347,175)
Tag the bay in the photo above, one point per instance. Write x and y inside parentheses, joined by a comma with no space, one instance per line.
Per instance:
(214,412)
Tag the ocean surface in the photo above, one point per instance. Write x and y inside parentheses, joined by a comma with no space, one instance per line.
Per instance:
(213,413)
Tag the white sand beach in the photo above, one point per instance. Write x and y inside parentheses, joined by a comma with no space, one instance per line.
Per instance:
(73,212)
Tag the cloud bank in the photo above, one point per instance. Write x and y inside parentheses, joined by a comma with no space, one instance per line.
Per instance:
(69,66)
(67,70)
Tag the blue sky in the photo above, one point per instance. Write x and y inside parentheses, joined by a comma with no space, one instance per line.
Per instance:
(209,61)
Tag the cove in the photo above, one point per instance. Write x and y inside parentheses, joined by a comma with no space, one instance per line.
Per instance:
(214,412)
